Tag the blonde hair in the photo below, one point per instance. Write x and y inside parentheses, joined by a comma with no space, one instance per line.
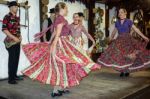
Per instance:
(60,5)
(124,10)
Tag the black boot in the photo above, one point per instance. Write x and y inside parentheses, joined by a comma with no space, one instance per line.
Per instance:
(127,74)
(12,82)
(64,91)
(122,74)
(55,94)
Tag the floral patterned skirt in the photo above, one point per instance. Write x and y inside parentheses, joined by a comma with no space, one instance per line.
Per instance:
(65,69)
(77,41)
(116,55)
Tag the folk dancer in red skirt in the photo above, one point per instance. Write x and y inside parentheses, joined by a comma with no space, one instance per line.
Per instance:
(58,62)
(76,34)
(126,54)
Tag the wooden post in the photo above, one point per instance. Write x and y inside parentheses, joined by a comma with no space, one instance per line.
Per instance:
(40,8)
(91,26)
(106,20)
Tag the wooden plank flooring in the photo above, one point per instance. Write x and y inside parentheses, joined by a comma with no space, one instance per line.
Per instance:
(103,84)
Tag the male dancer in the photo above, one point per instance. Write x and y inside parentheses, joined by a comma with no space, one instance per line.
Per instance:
(11,27)
(48,22)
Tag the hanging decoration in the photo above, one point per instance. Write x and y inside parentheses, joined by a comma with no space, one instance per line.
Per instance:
(101,43)
(86,14)
(114,18)
(44,9)
(139,22)
(82,1)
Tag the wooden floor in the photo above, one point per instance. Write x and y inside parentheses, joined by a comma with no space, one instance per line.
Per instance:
(103,84)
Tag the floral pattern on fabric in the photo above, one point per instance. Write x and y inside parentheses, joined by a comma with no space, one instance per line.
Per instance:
(116,54)
(12,24)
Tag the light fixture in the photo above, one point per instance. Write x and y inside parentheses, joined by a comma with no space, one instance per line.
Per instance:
(114,19)
(136,21)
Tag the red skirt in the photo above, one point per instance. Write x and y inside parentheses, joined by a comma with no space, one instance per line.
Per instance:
(115,55)
(65,69)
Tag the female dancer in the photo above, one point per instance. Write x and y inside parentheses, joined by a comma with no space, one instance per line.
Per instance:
(58,62)
(125,54)
(76,32)
(81,17)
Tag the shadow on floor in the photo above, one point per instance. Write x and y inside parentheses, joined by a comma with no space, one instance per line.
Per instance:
(2,97)
(141,94)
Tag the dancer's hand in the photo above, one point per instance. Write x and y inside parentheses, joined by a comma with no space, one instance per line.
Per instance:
(88,52)
(132,56)
(94,43)
(52,49)
(17,40)
(146,39)
(110,40)
(52,52)
(20,38)
(50,43)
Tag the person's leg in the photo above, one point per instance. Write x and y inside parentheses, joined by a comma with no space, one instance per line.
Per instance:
(131,56)
(56,91)
(127,73)
(134,56)
(11,65)
(122,74)
(56,88)
(17,55)
(64,90)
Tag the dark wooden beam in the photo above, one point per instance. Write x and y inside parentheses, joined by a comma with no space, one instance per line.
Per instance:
(41,13)
(106,20)
(91,26)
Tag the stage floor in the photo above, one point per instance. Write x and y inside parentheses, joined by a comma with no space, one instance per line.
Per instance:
(103,84)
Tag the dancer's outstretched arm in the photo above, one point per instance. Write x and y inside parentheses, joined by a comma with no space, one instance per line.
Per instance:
(140,33)
(88,35)
(113,34)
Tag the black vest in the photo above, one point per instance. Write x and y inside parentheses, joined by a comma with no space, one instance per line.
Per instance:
(48,33)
